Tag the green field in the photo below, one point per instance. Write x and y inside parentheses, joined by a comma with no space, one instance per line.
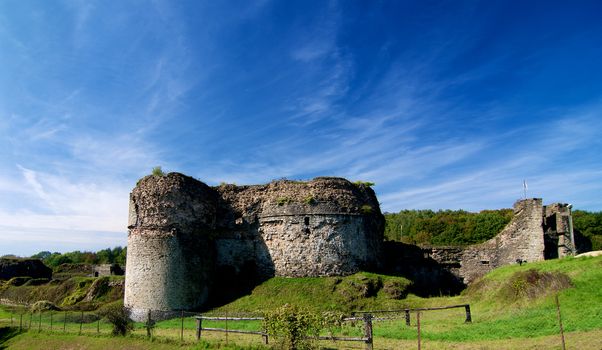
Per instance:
(512,308)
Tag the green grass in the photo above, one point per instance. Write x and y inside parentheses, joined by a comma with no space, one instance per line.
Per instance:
(495,316)
(344,294)
(514,321)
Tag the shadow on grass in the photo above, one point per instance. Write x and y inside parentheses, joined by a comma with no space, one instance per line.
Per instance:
(7,333)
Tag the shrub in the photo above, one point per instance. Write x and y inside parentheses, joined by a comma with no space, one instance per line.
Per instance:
(283,200)
(293,327)
(532,284)
(157,171)
(310,200)
(117,315)
(366,209)
(364,183)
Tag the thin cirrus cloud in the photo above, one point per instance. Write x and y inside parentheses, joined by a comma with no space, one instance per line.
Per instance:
(441,107)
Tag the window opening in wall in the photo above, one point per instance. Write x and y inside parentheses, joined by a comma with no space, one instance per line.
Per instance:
(485,262)
(306,220)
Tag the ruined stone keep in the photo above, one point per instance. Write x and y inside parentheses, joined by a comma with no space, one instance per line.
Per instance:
(183,235)
(186,239)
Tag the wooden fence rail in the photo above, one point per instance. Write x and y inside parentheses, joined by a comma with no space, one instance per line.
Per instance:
(367,338)
(408,311)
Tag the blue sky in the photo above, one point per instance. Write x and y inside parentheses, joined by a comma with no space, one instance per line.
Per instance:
(441,104)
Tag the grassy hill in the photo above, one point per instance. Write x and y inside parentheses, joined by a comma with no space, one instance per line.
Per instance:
(512,308)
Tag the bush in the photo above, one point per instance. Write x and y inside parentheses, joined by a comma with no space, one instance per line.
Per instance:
(366,209)
(532,284)
(117,315)
(157,171)
(293,327)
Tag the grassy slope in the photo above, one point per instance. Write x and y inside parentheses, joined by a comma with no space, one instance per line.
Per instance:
(495,315)
(500,320)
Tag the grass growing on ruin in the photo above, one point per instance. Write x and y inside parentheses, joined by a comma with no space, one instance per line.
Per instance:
(345,294)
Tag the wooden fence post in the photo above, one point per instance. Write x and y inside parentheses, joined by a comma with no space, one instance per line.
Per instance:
(98,325)
(265,338)
(418,324)
(148,324)
(30,318)
(368,331)
(560,323)
(64,321)
(51,320)
(81,323)
(199,325)
(407,317)
(468,315)
(182,325)
(40,321)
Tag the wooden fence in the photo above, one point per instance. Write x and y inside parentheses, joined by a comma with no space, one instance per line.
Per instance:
(366,318)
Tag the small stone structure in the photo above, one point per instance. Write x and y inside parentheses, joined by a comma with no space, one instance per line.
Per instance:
(183,235)
(188,240)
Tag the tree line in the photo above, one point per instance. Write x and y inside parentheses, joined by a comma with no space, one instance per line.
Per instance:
(588,225)
(445,227)
(105,256)
(460,228)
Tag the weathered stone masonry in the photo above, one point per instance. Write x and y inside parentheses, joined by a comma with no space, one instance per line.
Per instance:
(183,235)
(185,238)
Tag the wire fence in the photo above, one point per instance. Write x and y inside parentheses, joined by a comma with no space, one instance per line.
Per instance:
(364,329)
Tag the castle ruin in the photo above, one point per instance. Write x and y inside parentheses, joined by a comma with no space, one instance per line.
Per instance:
(185,238)
(185,235)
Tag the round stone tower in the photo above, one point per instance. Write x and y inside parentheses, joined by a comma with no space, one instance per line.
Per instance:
(324,227)
(170,254)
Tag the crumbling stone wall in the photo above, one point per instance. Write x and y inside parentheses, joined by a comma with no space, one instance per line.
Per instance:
(558,229)
(185,235)
(169,254)
(522,240)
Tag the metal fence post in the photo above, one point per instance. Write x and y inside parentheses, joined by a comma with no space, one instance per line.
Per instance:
(368,330)
(51,320)
(64,321)
(30,318)
(40,321)
(468,315)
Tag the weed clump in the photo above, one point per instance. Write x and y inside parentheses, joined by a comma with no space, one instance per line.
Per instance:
(532,284)
(117,315)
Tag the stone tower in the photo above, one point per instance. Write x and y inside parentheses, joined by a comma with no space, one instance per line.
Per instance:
(185,235)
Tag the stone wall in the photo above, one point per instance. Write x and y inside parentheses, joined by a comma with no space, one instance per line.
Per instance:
(169,254)
(187,239)
(522,240)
